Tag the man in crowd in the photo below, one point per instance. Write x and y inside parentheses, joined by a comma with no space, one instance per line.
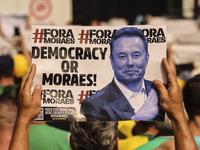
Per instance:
(8,115)
(94,135)
(171,102)
(129,95)
(7,85)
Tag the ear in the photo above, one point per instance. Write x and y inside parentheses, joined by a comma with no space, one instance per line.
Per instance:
(147,59)
(111,60)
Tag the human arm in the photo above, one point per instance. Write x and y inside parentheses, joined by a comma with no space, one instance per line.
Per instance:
(28,108)
(171,102)
(167,145)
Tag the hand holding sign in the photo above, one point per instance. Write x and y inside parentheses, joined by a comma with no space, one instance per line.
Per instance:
(29,104)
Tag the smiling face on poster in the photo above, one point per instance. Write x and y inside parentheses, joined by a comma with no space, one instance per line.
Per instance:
(129,59)
(99,73)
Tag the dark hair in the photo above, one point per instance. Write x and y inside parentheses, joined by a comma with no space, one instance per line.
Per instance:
(93,135)
(6,66)
(191,96)
(128,31)
(8,112)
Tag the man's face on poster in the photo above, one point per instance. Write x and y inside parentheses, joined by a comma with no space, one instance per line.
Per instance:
(129,59)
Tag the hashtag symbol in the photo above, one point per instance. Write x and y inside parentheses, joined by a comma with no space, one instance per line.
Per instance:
(82,34)
(38,35)
(83,96)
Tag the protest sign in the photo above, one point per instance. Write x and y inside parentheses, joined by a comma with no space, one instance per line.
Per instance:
(74,64)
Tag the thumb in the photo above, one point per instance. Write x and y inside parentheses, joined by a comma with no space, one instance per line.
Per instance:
(160,87)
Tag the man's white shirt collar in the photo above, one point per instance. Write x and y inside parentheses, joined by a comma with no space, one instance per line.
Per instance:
(136,99)
(128,93)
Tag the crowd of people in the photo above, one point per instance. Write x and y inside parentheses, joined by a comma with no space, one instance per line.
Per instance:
(91,135)
(18,108)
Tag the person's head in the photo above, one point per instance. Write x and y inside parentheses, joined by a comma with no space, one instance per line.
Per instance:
(8,113)
(129,54)
(94,135)
(6,66)
(94,22)
(191,97)
(145,127)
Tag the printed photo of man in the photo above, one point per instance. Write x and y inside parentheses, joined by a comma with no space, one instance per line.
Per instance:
(129,96)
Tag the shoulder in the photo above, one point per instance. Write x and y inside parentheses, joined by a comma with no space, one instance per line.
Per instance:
(102,95)
(96,106)
(148,85)
(148,82)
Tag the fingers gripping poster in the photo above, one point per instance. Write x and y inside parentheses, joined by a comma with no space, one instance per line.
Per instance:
(99,73)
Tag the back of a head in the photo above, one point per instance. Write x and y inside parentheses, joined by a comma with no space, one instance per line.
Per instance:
(6,66)
(94,135)
(8,113)
(191,96)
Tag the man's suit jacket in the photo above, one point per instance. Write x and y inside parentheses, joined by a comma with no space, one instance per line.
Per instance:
(110,104)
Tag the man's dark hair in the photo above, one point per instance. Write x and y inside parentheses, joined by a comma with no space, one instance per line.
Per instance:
(128,31)
(8,112)
(6,66)
(93,135)
(191,96)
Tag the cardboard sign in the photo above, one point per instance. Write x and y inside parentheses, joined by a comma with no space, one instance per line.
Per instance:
(83,81)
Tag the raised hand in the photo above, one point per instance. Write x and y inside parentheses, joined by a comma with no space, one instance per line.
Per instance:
(29,104)
(170,98)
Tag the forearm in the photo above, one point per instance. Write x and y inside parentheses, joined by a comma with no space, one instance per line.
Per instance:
(184,139)
(20,138)
(29,106)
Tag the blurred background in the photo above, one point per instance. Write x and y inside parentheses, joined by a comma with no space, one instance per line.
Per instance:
(182,18)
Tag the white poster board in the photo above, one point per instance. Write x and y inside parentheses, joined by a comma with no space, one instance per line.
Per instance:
(73,63)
